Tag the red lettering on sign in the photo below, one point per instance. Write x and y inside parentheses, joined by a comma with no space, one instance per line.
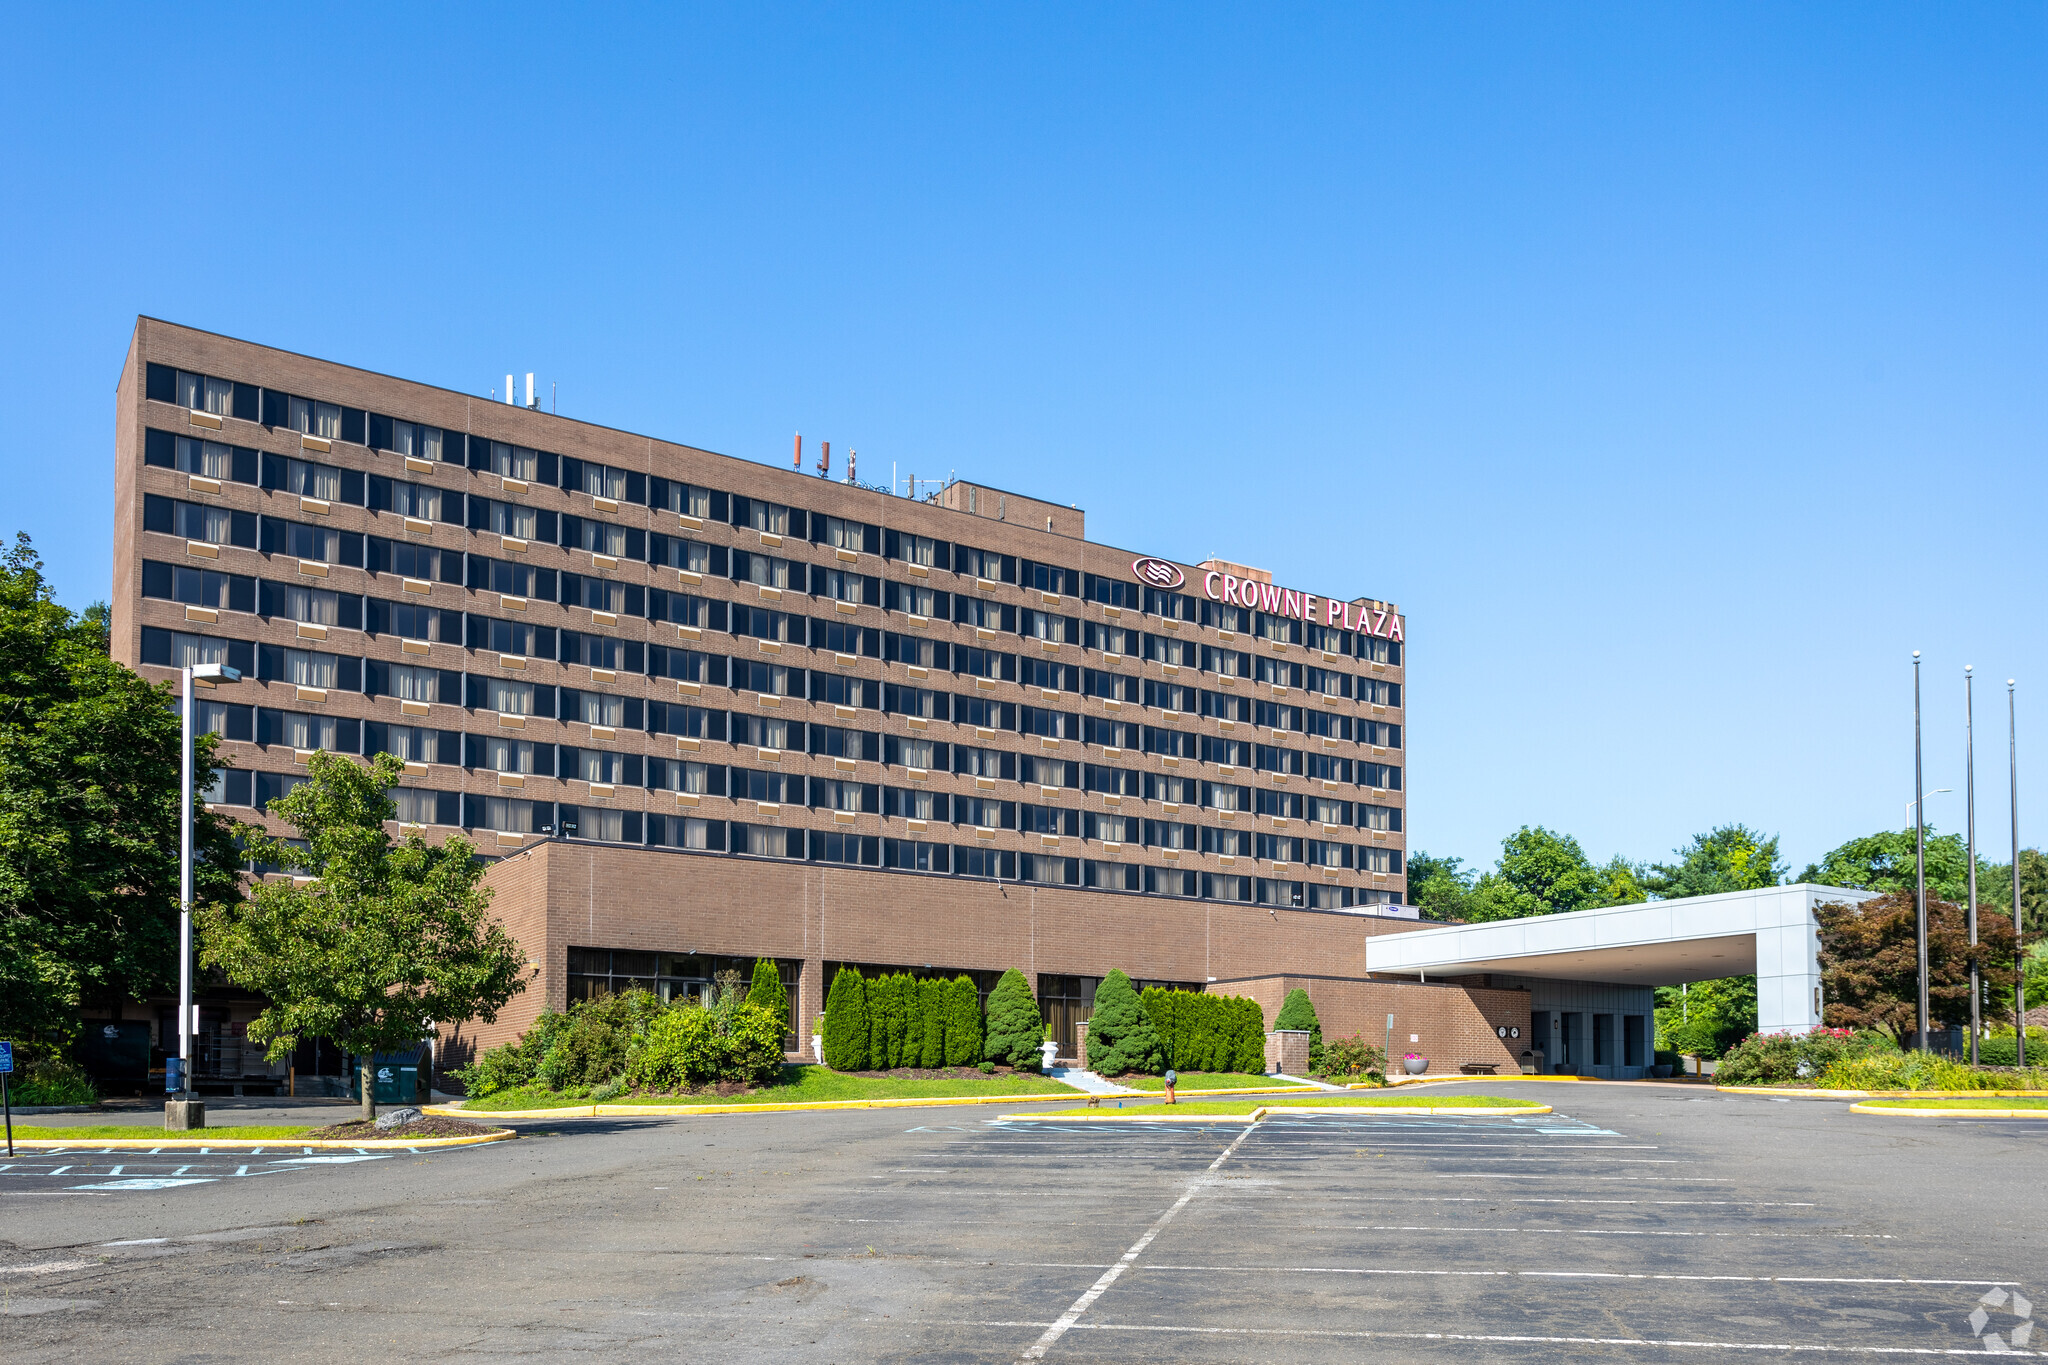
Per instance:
(1268,596)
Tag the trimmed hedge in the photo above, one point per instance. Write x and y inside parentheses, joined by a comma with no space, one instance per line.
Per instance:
(963,1022)
(1203,1032)
(846,1023)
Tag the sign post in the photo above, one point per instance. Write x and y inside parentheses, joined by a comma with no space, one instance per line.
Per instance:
(7,1101)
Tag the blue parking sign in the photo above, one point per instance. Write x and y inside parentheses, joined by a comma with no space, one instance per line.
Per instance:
(6,1055)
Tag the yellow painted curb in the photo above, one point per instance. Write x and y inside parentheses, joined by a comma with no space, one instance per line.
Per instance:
(587,1111)
(1950,1113)
(249,1144)
(1265,1111)
(1791,1093)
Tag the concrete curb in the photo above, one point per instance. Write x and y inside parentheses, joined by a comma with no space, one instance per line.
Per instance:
(1950,1113)
(643,1111)
(260,1144)
(1266,1111)
(1793,1093)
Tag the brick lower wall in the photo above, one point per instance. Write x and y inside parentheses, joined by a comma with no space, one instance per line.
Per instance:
(554,896)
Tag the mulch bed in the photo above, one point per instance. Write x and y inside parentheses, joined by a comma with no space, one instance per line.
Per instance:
(431,1126)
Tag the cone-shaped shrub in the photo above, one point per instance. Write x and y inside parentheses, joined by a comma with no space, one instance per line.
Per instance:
(1298,1012)
(846,1023)
(963,1022)
(1014,1028)
(882,1005)
(1120,1037)
(931,1009)
(766,989)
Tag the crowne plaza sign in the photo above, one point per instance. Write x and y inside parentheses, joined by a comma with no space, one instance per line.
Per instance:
(1274,600)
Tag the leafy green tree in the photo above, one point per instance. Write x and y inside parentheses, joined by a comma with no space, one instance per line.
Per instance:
(1994,891)
(1297,1011)
(1539,873)
(1706,1018)
(767,992)
(1439,887)
(847,1035)
(1884,862)
(89,778)
(1120,1037)
(385,943)
(1014,1027)
(1727,858)
(1621,883)
(963,1022)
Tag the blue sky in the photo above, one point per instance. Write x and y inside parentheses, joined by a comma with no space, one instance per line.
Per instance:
(1678,369)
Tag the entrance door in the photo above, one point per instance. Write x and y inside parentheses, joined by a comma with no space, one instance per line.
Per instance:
(1539,1039)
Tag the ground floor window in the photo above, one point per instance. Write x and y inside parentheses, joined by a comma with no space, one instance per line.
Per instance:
(594,972)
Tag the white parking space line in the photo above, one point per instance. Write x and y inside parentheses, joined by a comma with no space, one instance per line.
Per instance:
(1570,1275)
(1057,1329)
(1672,1343)
(1461,1228)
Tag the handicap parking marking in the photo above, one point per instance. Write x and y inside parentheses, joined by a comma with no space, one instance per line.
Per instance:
(125,1170)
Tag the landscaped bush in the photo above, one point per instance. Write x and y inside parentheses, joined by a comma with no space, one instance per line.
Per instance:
(600,1039)
(963,1022)
(1014,1027)
(1924,1071)
(1120,1038)
(45,1077)
(1297,1011)
(2005,1050)
(1354,1059)
(846,1022)
(1203,1032)
(1780,1058)
(513,1065)
(691,1045)
(767,991)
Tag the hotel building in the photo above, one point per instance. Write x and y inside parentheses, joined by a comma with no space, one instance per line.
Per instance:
(703,709)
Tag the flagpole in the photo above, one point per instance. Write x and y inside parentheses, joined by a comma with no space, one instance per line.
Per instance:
(1919,867)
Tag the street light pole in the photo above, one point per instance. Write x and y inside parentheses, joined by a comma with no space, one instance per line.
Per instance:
(2019,986)
(212,675)
(1919,865)
(1912,806)
(1970,817)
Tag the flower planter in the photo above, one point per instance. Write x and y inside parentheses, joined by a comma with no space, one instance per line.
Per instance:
(1415,1065)
(1048,1051)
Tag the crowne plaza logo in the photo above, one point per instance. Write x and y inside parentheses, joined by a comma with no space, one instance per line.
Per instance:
(1157,572)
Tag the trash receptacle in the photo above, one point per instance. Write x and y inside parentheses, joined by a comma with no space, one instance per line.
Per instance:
(396,1077)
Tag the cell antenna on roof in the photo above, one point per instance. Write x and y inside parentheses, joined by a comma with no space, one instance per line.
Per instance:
(532,400)
(824,458)
(510,396)
(799,463)
(851,456)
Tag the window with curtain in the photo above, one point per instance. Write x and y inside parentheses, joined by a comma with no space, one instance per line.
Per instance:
(413,743)
(511,519)
(193,522)
(315,419)
(687,777)
(509,698)
(311,480)
(208,459)
(415,807)
(415,682)
(512,462)
(507,815)
(204,393)
(599,708)
(304,668)
(318,543)
(416,500)
(508,755)
(315,606)
(594,765)
(423,443)
(187,651)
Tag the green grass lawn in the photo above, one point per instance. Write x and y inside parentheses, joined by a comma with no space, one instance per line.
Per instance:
(801,1085)
(1961,1101)
(92,1132)
(1203,1080)
(1239,1108)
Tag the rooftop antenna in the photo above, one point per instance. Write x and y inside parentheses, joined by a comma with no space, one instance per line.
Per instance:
(532,401)
(824,458)
(851,456)
(510,395)
(799,464)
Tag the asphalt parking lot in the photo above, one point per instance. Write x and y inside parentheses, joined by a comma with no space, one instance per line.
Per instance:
(1637,1223)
